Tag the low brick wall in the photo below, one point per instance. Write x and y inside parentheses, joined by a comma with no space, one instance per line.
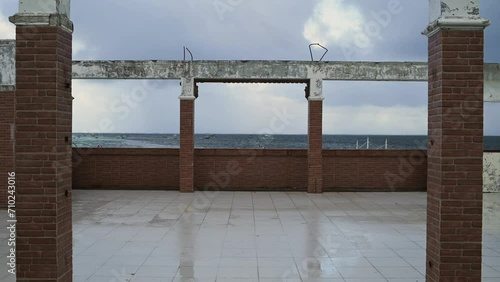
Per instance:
(126,168)
(377,170)
(251,169)
(228,169)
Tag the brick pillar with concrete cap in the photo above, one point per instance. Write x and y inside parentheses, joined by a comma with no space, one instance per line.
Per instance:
(315,136)
(186,157)
(43,140)
(7,109)
(455,155)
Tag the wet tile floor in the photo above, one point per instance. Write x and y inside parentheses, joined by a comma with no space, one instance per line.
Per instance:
(242,236)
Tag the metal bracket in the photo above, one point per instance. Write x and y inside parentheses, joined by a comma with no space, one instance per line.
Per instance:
(191,54)
(317,44)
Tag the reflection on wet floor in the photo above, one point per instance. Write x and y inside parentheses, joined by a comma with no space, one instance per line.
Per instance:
(243,236)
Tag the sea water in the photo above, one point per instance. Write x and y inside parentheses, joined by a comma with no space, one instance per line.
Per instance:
(252,141)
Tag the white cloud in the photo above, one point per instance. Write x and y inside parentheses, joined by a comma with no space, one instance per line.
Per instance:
(124,107)
(369,119)
(251,108)
(335,22)
(7,29)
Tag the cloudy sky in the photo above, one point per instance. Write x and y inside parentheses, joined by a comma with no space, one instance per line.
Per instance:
(357,30)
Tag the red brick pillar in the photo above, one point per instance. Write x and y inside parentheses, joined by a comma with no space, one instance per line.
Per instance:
(43,141)
(455,156)
(186,156)
(315,138)
(7,109)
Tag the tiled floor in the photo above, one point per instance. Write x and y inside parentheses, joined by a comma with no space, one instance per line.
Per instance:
(339,237)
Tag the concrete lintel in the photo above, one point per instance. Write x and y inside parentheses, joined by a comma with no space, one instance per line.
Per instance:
(270,71)
(454,15)
(7,62)
(263,71)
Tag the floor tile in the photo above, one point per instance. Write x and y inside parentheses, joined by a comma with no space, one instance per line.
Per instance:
(359,272)
(237,272)
(399,272)
(162,235)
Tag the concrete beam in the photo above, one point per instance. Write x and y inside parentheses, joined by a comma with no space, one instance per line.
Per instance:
(258,71)
(7,62)
(248,71)
(491,172)
(492,83)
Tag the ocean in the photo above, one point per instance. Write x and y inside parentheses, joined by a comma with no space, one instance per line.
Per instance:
(253,141)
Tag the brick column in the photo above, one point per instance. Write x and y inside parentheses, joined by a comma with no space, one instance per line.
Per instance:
(43,140)
(186,162)
(315,137)
(7,108)
(454,183)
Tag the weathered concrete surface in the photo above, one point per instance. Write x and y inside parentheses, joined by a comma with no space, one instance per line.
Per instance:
(491,174)
(61,7)
(270,71)
(259,71)
(43,13)
(454,14)
(7,62)
(453,8)
(7,88)
(492,83)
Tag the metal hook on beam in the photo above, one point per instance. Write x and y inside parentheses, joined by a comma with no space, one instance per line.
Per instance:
(317,44)
(191,54)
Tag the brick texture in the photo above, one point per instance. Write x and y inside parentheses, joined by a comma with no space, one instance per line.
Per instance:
(249,170)
(7,109)
(374,170)
(43,154)
(454,224)
(126,168)
(186,162)
(315,149)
